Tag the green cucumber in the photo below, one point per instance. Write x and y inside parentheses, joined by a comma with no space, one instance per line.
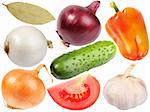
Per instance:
(78,61)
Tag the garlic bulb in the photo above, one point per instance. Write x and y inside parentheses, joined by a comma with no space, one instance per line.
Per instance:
(125,91)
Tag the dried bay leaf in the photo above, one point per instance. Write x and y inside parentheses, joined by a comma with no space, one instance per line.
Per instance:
(29,13)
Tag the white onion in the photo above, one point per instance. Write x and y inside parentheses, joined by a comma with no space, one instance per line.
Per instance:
(26,46)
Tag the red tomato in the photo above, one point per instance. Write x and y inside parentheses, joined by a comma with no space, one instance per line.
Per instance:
(76,94)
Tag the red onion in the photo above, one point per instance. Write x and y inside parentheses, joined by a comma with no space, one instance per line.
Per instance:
(78,25)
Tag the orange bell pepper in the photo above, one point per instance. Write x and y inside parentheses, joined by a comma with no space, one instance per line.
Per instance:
(127,28)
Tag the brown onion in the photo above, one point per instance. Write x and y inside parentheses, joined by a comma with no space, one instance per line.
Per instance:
(22,88)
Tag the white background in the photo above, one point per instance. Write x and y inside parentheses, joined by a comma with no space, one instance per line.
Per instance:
(102,73)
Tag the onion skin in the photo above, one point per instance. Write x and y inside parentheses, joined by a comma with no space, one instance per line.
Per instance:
(22,89)
(78,25)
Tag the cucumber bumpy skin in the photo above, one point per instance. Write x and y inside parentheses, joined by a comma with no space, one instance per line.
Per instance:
(78,61)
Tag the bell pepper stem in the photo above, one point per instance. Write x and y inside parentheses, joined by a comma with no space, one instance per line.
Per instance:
(114,6)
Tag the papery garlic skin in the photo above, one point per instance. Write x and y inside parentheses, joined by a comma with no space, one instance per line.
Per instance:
(125,92)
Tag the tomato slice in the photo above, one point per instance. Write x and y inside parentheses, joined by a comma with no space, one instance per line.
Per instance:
(76,94)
